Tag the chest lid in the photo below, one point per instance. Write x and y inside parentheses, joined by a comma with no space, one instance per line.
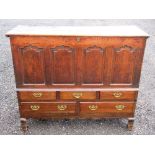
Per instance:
(118,31)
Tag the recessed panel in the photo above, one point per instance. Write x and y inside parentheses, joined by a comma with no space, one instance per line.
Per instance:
(93,65)
(32,65)
(63,60)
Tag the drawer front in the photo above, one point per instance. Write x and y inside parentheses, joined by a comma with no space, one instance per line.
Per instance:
(78,95)
(41,108)
(119,95)
(36,96)
(109,108)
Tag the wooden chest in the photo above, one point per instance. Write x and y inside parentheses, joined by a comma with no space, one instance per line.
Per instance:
(77,72)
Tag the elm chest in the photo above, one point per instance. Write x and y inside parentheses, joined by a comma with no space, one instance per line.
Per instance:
(77,72)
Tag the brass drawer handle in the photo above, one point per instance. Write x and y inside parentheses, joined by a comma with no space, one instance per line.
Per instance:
(37,95)
(77,95)
(119,107)
(117,94)
(93,107)
(35,107)
(62,107)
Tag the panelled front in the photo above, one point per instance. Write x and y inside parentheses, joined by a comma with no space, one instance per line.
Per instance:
(42,62)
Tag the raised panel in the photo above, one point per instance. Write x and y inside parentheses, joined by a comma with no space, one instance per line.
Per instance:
(32,59)
(93,65)
(63,61)
(122,66)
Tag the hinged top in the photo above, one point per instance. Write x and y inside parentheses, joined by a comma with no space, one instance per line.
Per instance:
(78,31)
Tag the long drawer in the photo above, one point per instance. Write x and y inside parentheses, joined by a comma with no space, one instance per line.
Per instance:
(118,95)
(107,108)
(47,108)
(36,96)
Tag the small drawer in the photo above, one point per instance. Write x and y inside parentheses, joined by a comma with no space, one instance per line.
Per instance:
(119,95)
(78,95)
(40,108)
(36,96)
(107,108)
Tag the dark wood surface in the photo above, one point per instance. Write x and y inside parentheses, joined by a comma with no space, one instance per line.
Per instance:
(30,109)
(36,96)
(78,95)
(119,95)
(69,62)
(106,107)
(43,62)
